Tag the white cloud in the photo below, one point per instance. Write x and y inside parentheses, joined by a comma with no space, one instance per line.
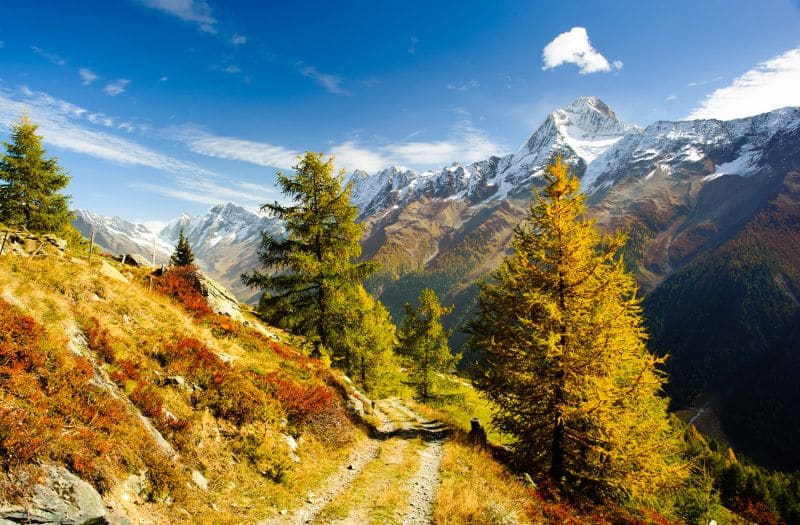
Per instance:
(238,39)
(100,118)
(259,153)
(671,97)
(57,123)
(350,156)
(704,82)
(163,78)
(193,11)
(87,75)
(466,144)
(52,57)
(770,85)
(412,45)
(331,83)
(117,87)
(574,47)
(466,86)
(231,69)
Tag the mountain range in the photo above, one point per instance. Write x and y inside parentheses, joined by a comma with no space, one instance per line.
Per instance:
(709,206)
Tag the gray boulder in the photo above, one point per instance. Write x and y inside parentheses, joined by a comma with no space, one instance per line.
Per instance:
(60,498)
(220,299)
(134,259)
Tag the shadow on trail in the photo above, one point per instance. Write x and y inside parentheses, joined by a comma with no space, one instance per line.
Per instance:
(431,430)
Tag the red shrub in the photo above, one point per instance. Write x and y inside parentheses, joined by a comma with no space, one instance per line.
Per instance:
(182,284)
(316,405)
(126,370)
(99,341)
(756,512)
(20,341)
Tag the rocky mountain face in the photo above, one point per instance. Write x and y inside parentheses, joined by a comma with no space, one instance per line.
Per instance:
(120,236)
(225,242)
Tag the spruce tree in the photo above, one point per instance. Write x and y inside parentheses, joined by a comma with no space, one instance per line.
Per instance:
(182,256)
(30,183)
(303,271)
(566,367)
(423,342)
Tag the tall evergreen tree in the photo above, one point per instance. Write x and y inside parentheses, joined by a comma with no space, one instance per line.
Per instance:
(317,257)
(565,363)
(30,182)
(423,342)
(182,256)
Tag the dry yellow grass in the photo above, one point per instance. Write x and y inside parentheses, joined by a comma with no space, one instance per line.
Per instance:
(65,294)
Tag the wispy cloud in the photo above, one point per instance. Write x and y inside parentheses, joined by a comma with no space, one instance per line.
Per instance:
(52,57)
(231,69)
(671,97)
(60,122)
(331,83)
(704,82)
(412,45)
(466,143)
(772,84)
(574,47)
(163,78)
(466,86)
(116,87)
(238,39)
(87,76)
(232,148)
(196,12)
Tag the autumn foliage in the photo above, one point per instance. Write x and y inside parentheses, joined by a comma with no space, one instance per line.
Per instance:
(182,284)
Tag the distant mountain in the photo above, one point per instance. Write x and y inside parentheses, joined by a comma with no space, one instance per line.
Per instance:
(225,240)
(120,236)
(579,132)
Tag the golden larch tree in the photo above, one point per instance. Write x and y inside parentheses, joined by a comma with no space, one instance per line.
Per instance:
(565,362)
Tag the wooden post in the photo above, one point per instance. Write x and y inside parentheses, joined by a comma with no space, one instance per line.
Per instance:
(124,255)
(91,245)
(4,242)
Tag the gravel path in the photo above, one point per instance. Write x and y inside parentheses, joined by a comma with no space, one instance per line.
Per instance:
(397,421)
(422,487)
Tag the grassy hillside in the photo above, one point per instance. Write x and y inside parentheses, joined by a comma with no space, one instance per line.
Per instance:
(112,380)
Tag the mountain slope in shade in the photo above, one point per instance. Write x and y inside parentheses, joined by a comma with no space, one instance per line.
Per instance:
(730,320)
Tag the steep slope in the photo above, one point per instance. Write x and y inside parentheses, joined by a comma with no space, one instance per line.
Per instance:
(174,415)
(729,320)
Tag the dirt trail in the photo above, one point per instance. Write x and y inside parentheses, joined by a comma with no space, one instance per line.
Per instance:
(391,478)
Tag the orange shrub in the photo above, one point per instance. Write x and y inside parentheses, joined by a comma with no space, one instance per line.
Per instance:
(182,284)
(98,340)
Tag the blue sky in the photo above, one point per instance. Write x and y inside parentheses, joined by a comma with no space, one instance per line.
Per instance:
(163,106)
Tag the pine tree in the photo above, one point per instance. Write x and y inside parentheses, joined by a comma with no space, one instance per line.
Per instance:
(29,183)
(182,256)
(423,342)
(565,362)
(303,271)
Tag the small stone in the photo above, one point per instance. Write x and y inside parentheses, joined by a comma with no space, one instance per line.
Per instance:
(284,512)
(350,466)
(199,480)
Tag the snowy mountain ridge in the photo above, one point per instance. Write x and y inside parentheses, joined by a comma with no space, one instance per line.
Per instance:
(580,132)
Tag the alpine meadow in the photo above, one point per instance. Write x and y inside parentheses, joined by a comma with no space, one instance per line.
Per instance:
(399,263)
